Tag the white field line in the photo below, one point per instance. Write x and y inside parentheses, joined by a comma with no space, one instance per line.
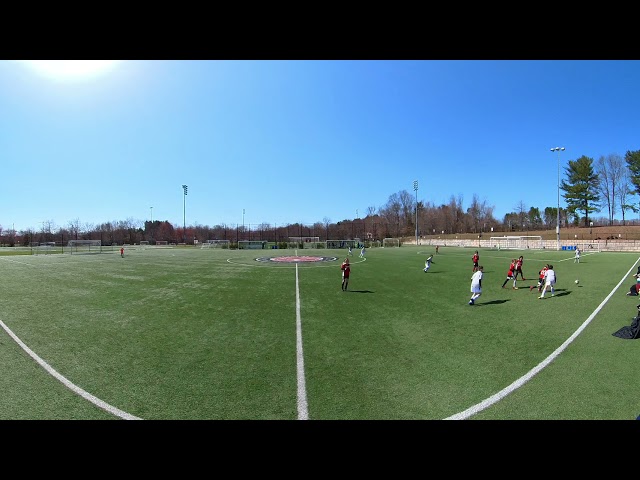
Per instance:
(303,411)
(529,375)
(87,396)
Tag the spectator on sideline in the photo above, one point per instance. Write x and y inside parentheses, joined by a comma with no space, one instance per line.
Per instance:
(346,270)
(476,285)
(549,281)
(634,290)
(519,263)
(510,275)
(427,263)
(475,259)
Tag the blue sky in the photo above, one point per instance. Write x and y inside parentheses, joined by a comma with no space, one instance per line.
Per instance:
(300,141)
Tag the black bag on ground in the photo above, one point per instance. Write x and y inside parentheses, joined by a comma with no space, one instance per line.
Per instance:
(631,332)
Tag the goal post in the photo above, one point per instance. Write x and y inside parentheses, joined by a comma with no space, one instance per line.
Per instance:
(216,244)
(516,242)
(44,248)
(390,242)
(336,244)
(84,246)
(584,246)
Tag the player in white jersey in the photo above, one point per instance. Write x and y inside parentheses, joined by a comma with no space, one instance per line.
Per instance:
(549,281)
(427,263)
(476,285)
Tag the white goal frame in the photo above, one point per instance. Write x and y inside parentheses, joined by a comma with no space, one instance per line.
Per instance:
(84,246)
(513,242)
(337,244)
(216,244)
(584,246)
(43,248)
(390,242)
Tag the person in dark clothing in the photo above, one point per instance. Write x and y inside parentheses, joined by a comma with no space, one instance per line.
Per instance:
(634,289)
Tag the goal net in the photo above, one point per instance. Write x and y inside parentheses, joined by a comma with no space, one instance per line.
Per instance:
(43,248)
(84,246)
(516,242)
(585,247)
(390,242)
(342,243)
(216,244)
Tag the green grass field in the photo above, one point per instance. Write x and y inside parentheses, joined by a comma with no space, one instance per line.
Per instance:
(185,333)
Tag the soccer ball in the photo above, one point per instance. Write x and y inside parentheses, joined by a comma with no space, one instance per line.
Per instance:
(577,282)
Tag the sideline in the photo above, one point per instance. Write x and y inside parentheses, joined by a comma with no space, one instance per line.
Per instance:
(477,408)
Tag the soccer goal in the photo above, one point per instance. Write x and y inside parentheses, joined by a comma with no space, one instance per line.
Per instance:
(162,243)
(516,242)
(587,247)
(390,242)
(84,246)
(216,244)
(43,248)
(341,243)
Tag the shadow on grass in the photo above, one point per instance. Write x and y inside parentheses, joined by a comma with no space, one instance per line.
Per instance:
(492,302)
(559,293)
(360,291)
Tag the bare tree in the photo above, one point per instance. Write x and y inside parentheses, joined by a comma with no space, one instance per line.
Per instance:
(522,212)
(407,203)
(371,211)
(623,192)
(454,216)
(480,213)
(74,228)
(392,211)
(610,170)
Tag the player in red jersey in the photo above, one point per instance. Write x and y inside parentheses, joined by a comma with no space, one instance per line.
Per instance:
(540,279)
(510,274)
(475,259)
(519,263)
(346,270)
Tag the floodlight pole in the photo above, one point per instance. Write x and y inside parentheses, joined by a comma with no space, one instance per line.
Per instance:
(151,226)
(243,224)
(184,216)
(415,187)
(558,149)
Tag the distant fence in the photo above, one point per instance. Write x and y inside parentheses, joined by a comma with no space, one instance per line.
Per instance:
(617,245)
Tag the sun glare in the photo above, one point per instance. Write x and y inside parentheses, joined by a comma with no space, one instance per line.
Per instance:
(71,69)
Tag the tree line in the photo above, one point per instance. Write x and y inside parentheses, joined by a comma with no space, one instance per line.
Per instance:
(608,185)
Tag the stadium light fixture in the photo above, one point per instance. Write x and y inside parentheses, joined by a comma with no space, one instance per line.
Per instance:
(184,216)
(415,187)
(558,149)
